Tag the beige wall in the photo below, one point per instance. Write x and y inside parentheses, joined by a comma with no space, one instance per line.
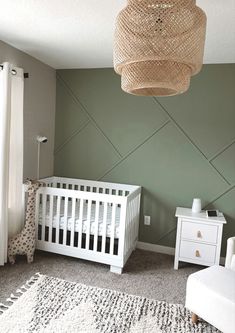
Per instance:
(39,109)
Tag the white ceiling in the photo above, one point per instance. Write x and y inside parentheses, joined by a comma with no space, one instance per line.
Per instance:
(79,33)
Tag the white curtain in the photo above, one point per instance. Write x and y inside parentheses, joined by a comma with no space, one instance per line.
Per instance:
(11,154)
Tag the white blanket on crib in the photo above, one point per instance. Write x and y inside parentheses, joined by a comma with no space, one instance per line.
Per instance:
(69,220)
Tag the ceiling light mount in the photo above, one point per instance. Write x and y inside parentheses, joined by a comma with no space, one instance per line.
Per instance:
(159,45)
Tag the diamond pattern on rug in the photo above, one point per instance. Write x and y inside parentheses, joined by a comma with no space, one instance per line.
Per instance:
(61,306)
(80,319)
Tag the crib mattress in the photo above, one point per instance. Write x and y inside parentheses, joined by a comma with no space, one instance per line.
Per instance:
(78,221)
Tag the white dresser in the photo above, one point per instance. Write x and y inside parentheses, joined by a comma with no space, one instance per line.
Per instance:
(198,239)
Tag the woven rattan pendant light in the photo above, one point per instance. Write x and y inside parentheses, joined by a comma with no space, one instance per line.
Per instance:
(158,46)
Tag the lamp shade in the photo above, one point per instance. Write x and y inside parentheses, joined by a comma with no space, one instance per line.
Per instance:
(158,46)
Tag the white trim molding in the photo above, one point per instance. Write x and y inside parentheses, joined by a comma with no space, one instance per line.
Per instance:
(156,248)
(163,249)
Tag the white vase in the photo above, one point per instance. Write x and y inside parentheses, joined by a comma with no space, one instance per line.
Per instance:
(197,205)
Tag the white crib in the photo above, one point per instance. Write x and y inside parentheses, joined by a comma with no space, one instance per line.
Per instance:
(86,219)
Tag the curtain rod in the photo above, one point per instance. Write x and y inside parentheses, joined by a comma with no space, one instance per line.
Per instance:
(26,75)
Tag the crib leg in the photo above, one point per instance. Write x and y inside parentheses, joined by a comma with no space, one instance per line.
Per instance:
(116,269)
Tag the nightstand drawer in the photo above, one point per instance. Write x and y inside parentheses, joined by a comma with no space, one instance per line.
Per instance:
(197,251)
(199,232)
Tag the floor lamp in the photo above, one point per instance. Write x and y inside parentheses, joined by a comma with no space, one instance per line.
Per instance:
(40,140)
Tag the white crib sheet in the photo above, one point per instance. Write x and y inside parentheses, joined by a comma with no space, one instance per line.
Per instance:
(84,221)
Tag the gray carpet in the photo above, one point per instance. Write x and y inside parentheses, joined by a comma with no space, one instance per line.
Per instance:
(146,274)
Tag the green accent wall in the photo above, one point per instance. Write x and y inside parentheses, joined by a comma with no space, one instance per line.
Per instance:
(176,148)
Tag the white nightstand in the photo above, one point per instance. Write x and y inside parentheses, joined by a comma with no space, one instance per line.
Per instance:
(198,239)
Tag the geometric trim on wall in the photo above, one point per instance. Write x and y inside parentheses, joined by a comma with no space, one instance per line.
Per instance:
(214,162)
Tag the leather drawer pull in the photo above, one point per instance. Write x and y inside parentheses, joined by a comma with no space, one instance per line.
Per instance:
(197,254)
(199,234)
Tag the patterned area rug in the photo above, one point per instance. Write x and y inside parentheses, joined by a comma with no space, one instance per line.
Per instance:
(46,304)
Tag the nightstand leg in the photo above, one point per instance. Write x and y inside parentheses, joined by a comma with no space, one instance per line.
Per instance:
(177,247)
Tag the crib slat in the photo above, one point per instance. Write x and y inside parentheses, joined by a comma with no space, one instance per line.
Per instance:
(112,228)
(88,225)
(97,209)
(58,219)
(50,218)
(128,227)
(44,198)
(80,223)
(65,220)
(136,219)
(128,216)
(133,222)
(72,222)
(104,227)
(37,214)
(129,224)
(122,227)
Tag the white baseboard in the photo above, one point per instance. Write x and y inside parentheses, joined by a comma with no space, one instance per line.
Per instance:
(163,249)
(156,248)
